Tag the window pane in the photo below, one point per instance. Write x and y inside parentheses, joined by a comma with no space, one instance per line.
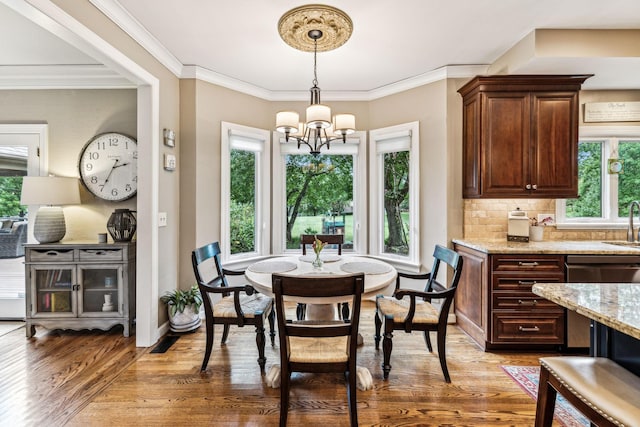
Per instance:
(629,179)
(243,201)
(589,201)
(396,202)
(319,197)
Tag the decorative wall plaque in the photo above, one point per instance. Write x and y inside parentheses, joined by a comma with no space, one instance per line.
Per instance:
(612,112)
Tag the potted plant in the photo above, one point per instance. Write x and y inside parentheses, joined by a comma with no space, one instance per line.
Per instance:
(183,308)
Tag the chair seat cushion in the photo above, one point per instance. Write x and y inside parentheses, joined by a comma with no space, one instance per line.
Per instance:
(601,383)
(425,312)
(319,350)
(250,304)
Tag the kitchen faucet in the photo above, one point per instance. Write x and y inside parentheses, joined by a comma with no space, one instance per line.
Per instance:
(630,237)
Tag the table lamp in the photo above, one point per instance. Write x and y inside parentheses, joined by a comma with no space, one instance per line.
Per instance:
(49,225)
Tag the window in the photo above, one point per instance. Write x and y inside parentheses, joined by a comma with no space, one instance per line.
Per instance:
(604,192)
(395,184)
(245,189)
(324,194)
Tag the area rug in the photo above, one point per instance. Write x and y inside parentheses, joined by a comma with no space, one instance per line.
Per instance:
(528,377)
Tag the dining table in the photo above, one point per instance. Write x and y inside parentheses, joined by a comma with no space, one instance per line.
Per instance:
(380,277)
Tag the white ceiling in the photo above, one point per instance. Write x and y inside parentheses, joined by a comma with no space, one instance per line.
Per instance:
(393,41)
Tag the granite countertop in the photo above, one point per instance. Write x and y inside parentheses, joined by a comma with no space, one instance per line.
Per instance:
(612,304)
(587,247)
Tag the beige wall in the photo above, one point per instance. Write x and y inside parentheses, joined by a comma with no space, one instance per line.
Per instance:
(169,114)
(73,118)
(428,105)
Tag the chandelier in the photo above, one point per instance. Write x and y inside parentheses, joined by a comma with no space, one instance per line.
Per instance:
(307,28)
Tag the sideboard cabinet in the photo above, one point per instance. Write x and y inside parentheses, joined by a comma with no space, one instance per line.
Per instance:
(80,286)
(495,306)
(520,136)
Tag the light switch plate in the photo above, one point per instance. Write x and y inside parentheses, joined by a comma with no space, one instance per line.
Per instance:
(169,162)
(162,219)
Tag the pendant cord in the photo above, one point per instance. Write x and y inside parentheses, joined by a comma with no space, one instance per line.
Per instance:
(315,66)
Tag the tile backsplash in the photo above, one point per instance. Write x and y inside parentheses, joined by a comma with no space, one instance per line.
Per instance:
(487,219)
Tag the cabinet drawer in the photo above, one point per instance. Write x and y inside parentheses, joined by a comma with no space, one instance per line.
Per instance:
(522,301)
(50,255)
(522,283)
(101,254)
(528,263)
(541,328)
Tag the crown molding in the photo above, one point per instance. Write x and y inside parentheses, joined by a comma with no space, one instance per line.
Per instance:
(61,77)
(123,19)
(447,72)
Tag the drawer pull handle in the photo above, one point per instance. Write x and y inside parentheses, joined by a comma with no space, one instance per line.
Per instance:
(522,282)
(52,253)
(528,264)
(523,329)
(533,302)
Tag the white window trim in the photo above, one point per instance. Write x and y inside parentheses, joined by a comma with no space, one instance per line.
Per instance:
(263,190)
(379,138)
(609,183)
(355,145)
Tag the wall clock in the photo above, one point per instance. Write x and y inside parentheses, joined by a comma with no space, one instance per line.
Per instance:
(109,166)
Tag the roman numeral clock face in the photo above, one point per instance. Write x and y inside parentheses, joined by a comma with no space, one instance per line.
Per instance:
(109,166)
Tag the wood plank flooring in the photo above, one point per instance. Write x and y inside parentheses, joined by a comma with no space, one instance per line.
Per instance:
(96,378)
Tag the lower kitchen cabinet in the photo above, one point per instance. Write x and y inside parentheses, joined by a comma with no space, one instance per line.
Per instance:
(495,306)
(80,286)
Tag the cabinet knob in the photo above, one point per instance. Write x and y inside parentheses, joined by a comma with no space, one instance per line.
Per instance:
(534,186)
(528,186)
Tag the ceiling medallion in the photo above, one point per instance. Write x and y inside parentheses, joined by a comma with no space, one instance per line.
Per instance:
(295,25)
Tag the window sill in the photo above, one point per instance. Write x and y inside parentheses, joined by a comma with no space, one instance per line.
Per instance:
(591,226)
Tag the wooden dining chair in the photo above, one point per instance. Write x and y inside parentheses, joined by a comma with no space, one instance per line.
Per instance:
(315,345)
(236,305)
(416,312)
(330,239)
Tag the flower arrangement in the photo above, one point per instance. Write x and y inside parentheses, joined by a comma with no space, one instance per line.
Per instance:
(534,222)
(318,246)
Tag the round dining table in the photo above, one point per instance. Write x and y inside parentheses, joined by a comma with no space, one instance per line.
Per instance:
(379,276)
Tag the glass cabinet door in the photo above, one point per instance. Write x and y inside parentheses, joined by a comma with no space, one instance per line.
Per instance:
(100,293)
(53,290)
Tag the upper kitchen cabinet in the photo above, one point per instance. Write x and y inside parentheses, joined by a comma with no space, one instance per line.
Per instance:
(520,136)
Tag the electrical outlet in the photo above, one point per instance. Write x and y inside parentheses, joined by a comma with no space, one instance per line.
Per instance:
(162,219)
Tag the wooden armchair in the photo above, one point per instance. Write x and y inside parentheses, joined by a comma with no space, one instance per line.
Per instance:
(416,313)
(318,346)
(238,305)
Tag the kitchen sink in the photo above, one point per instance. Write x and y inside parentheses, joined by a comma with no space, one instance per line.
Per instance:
(624,243)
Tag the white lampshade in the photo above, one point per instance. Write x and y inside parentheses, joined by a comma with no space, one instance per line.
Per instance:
(318,116)
(287,121)
(344,124)
(49,190)
(49,225)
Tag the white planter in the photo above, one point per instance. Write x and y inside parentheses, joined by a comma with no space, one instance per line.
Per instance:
(188,317)
(536,232)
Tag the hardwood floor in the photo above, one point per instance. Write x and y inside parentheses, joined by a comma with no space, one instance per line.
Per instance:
(97,378)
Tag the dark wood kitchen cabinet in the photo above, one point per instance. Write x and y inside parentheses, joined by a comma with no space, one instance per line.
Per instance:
(520,136)
(495,306)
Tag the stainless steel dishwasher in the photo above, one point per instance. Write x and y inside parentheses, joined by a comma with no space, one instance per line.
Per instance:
(596,269)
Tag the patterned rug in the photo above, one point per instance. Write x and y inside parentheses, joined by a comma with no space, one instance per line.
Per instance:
(528,377)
